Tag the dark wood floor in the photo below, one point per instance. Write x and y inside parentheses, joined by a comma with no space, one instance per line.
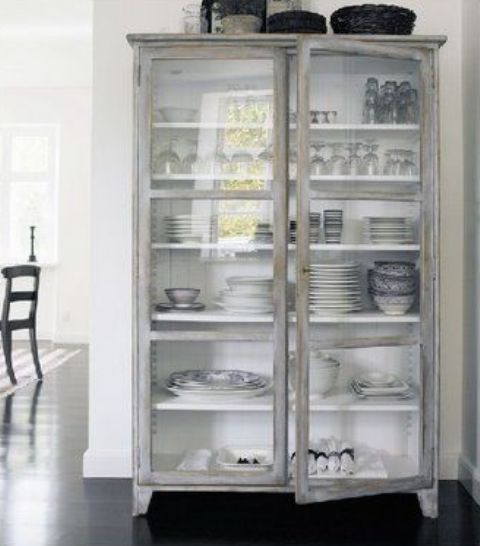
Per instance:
(45,502)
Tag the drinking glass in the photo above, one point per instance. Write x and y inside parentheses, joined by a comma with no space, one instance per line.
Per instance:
(370,106)
(190,160)
(370,163)
(388,112)
(168,161)
(337,164)
(354,160)
(402,101)
(412,108)
(408,166)
(319,166)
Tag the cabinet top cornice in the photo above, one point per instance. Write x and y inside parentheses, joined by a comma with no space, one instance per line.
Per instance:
(283,40)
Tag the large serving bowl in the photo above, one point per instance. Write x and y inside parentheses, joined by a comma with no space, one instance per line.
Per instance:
(392,285)
(394,305)
(395,269)
(178,115)
(182,296)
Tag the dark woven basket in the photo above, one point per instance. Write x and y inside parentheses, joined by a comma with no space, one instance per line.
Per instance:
(297,21)
(373,19)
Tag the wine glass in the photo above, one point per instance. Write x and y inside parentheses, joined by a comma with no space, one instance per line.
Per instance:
(354,160)
(168,161)
(370,163)
(337,164)
(318,164)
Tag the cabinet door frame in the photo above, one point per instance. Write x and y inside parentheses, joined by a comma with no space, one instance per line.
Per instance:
(144,474)
(429,315)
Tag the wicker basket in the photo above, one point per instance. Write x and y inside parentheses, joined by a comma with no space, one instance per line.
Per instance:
(297,22)
(373,19)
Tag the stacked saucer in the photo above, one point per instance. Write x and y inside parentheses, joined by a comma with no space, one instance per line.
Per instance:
(216,385)
(333,226)
(247,295)
(190,228)
(380,385)
(388,230)
(314,231)
(335,288)
(264,233)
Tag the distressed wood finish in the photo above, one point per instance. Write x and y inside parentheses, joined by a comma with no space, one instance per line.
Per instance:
(277,47)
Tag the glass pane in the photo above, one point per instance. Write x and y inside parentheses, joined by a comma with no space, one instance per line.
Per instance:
(212,124)
(365,413)
(31,204)
(30,154)
(212,304)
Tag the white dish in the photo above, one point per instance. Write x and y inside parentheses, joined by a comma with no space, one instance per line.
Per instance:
(228,458)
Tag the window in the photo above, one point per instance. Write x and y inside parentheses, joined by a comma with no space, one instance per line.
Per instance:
(28,191)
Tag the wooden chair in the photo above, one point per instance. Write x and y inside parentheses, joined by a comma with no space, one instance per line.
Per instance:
(7,325)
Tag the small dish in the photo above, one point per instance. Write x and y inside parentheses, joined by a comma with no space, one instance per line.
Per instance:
(162,307)
(182,295)
(178,115)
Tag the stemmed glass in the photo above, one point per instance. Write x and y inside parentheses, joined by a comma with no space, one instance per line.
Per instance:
(168,161)
(408,166)
(319,166)
(190,160)
(354,160)
(370,163)
(337,164)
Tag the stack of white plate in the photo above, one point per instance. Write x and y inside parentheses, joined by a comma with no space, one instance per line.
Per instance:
(190,228)
(216,385)
(388,230)
(335,288)
(247,295)
(381,385)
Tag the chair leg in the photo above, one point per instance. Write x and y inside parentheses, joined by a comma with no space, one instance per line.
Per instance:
(34,348)
(7,351)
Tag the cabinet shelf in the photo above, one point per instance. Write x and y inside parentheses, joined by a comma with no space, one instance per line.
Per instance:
(326,127)
(337,401)
(205,177)
(223,317)
(247,247)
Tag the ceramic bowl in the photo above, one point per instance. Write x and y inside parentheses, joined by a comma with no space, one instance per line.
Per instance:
(394,305)
(392,285)
(183,296)
(178,115)
(395,269)
(322,376)
(241,24)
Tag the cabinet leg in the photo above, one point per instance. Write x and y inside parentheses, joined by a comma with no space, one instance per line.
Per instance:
(141,500)
(428,499)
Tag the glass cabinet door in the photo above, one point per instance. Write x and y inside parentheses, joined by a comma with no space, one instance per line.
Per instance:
(212,267)
(364,360)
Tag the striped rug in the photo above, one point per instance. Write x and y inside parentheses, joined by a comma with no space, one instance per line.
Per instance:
(50,358)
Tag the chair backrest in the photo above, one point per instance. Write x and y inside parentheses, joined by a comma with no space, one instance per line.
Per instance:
(12,296)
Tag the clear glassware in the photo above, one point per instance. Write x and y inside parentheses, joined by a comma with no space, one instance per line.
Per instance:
(318,163)
(402,101)
(220,160)
(242,161)
(332,116)
(337,164)
(168,161)
(190,160)
(354,161)
(408,165)
(370,163)
(412,107)
(314,116)
(194,19)
(371,102)
(387,109)
(324,117)
(390,163)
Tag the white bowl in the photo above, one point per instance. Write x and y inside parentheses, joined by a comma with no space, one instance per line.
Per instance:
(394,305)
(178,115)
(322,379)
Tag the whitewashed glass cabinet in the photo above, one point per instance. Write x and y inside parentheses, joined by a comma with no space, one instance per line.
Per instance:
(282,176)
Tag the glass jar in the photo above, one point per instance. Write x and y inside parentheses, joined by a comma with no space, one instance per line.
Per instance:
(194,19)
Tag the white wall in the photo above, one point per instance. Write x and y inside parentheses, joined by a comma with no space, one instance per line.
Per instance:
(110,377)
(469,468)
(46,77)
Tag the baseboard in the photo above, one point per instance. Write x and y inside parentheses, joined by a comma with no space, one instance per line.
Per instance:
(449,466)
(469,477)
(107,464)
